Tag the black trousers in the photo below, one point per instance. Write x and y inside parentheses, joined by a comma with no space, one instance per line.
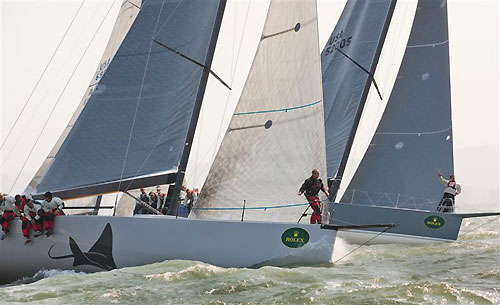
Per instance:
(447,204)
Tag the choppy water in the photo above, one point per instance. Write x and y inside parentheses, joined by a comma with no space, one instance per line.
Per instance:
(464,272)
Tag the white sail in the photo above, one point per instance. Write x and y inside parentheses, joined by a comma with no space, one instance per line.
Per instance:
(126,17)
(276,135)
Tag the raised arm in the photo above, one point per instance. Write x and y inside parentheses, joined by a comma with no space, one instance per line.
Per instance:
(443,181)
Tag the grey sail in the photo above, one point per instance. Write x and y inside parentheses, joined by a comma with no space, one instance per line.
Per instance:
(136,120)
(126,17)
(276,136)
(414,136)
(345,62)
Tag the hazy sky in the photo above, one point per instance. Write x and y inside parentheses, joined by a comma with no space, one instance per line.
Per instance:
(31,31)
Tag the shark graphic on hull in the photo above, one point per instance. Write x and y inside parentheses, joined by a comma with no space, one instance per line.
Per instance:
(100,255)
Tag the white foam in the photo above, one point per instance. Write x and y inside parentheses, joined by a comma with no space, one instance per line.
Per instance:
(341,248)
(42,274)
(198,270)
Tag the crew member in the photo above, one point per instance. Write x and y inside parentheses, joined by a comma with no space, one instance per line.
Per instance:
(161,197)
(52,207)
(19,202)
(311,188)
(31,219)
(447,203)
(8,211)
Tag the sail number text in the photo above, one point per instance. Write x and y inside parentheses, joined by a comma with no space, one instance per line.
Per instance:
(337,41)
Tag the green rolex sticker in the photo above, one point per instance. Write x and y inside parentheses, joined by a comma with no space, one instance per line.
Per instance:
(434,222)
(295,237)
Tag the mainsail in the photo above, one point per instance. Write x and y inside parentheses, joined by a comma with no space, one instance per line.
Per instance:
(276,135)
(414,136)
(346,62)
(136,120)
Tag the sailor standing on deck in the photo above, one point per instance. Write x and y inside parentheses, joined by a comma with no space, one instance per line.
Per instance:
(31,219)
(447,203)
(51,207)
(311,188)
(8,211)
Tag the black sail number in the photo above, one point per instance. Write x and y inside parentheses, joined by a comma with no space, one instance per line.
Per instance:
(337,41)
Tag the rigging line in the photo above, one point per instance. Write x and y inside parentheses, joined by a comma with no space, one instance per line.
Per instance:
(279,110)
(254,208)
(232,79)
(41,76)
(23,129)
(60,96)
(361,245)
(155,146)
(166,20)
(488,222)
(362,68)
(162,135)
(139,99)
(202,109)
(191,60)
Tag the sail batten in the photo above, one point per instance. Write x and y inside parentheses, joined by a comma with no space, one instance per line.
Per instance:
(276,135)
(414,136)
(135,121)
(348,63)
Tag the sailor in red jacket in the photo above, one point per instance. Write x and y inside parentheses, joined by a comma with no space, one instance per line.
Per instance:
(31,219)
(8,211)
(52,207)
(311,188)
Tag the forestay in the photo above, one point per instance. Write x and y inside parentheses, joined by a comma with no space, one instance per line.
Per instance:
(276,135)
(136,120)
(346,61)
(414,136)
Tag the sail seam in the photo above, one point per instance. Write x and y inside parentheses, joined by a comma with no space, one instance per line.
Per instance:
(428,45)
(413,133)
(279,110)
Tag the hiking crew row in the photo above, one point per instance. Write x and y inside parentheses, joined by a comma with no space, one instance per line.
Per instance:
(33,215)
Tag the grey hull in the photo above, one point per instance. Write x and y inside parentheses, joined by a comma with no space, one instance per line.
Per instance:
(100,243)
(411,226)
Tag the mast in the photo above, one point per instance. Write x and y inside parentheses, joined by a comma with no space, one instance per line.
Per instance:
(334,188)
(174,200)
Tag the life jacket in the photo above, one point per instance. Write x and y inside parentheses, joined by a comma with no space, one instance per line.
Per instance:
(452,184)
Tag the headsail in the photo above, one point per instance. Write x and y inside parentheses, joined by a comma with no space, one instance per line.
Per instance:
(414,137)
(135,122)
(276,135)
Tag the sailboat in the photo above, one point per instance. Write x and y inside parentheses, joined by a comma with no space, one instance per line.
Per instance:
(159,64)
(388,173)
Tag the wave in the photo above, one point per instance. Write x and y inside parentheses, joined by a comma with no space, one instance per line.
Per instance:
(198,271)
(43,274)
